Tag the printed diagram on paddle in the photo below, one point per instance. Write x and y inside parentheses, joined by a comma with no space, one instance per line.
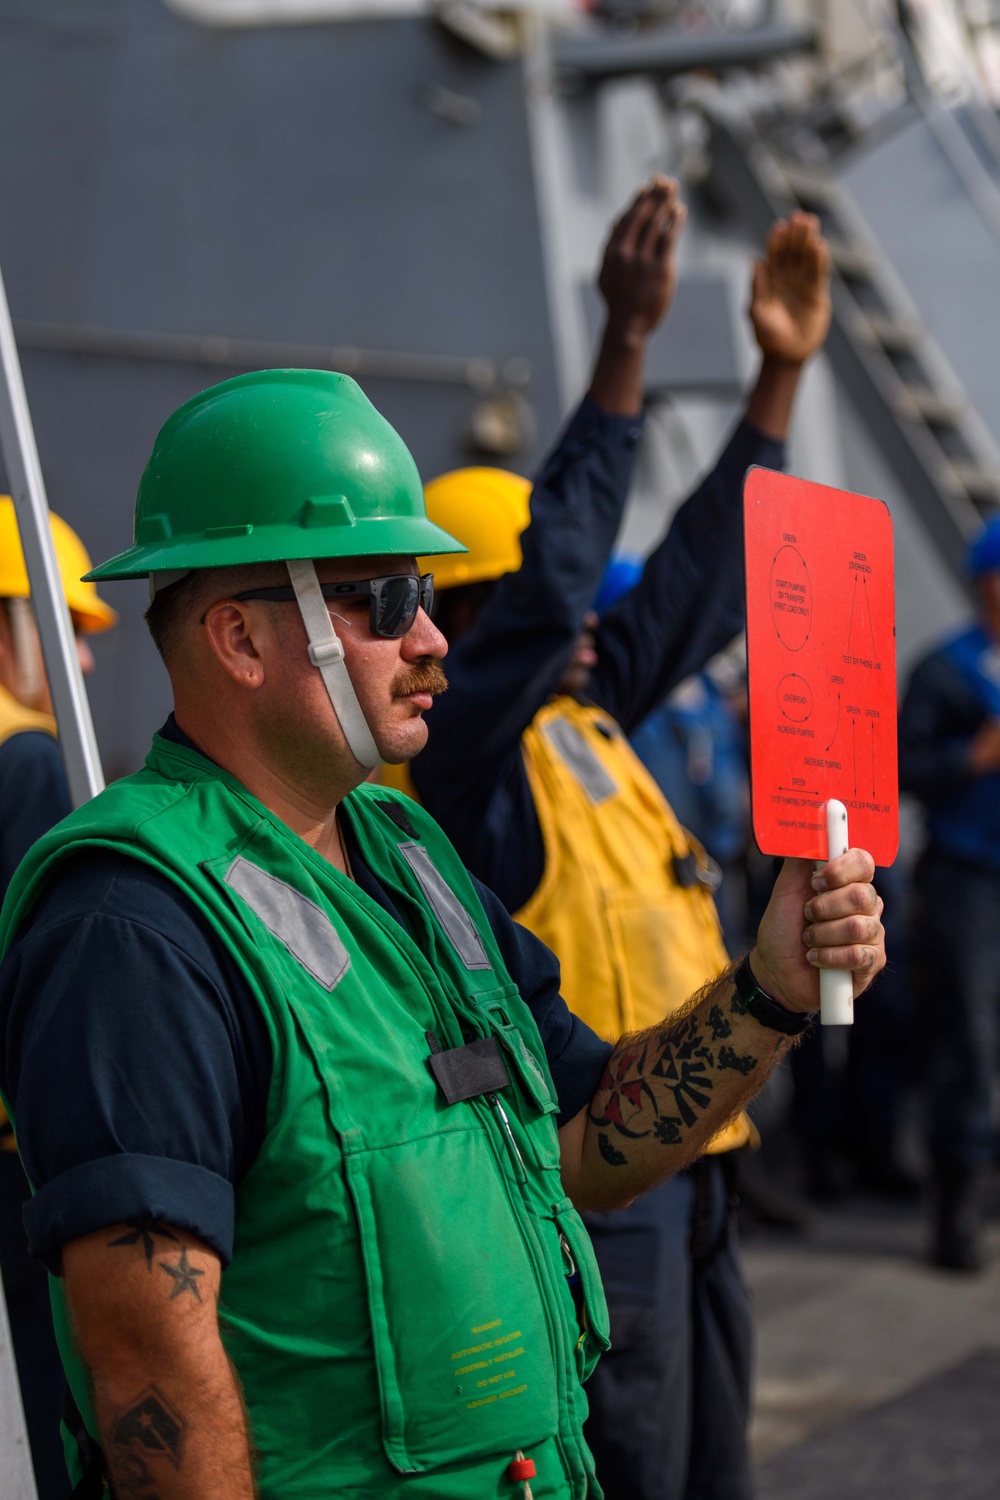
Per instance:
(822,665)
(791,614)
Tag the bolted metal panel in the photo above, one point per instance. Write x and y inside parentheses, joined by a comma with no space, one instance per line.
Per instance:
(364,189)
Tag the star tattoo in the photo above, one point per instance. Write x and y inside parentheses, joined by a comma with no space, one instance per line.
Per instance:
(143,1232)
(184,1274)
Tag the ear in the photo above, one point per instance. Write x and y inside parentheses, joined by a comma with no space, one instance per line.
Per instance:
(238,639)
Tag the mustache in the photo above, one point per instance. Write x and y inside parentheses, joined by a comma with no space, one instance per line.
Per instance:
(425,677)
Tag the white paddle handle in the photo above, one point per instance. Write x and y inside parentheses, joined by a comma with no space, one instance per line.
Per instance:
(836,986)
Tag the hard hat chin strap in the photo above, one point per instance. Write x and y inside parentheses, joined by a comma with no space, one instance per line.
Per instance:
(326,652)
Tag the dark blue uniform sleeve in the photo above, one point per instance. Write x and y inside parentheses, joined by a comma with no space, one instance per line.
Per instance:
(576,1055)
(939,716)
(34,796)
(687,606)
(134,1056)
(689,602)
(470,776)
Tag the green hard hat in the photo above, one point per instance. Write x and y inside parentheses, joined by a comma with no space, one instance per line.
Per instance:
(274,466)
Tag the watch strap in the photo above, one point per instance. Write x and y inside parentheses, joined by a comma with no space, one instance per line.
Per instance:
(751,999)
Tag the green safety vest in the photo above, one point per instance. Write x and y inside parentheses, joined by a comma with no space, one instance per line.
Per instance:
(412,1297)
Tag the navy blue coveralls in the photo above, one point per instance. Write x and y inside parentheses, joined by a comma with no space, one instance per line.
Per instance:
(669,1404)
(956,939)
(33,797)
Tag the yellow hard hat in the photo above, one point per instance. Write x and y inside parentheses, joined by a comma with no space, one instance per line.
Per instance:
(88,610)
(487,509)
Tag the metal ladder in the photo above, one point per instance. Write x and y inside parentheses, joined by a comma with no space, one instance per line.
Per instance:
(905,392)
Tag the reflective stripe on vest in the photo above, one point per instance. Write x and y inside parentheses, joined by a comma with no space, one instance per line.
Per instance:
(305,930)
(448,909)
(580,758)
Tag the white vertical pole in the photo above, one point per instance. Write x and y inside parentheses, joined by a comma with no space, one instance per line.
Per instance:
(69,696)
(79,749)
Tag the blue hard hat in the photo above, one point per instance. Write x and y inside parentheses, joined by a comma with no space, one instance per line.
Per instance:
(620,576)
(984,554)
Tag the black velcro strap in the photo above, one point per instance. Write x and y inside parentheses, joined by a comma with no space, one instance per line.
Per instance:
(686,869)
(397,813)
(466,1072)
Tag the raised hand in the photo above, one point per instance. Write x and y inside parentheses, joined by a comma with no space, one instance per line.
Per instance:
(639,272)
(790,301)
(829,919)
(637,281)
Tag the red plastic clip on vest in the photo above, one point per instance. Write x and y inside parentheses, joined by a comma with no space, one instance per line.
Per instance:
(521,1470)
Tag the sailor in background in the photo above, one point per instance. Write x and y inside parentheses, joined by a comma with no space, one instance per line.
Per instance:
(33,797)
(949,757)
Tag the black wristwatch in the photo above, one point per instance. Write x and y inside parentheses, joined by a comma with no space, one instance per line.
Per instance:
(750,999)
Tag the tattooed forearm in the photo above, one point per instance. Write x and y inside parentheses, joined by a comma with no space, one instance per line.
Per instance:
(143,1298)
(655,1087)
(674,1085)
(148,1431)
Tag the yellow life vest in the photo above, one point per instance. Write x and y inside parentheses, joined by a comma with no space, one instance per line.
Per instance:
(620,902)
(16,719)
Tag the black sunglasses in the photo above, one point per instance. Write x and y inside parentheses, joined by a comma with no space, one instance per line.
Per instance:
(393,601)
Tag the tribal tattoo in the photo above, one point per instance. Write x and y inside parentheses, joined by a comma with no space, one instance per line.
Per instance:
(730,1058)
(718,1024)
(613,1157)
(660,1083)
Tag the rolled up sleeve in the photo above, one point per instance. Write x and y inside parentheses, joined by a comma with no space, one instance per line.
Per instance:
(128,1077)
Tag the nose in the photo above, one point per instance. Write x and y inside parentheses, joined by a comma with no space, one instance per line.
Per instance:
(84,655)
(424,639)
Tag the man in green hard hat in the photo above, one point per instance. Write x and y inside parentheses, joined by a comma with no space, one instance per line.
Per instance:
(306,1119)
